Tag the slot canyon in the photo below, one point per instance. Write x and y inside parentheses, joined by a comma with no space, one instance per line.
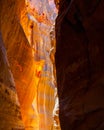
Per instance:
(51,65)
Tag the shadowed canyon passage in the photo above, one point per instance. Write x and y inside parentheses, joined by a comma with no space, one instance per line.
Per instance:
(27,67)
(27,62)
(80,64)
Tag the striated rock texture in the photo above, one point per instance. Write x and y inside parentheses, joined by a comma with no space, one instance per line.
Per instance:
(80,64)
(10,115)
(42,41)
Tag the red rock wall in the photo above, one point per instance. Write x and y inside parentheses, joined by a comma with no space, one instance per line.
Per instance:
(80,64)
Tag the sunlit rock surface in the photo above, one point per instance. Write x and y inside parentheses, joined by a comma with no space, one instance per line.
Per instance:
(28,35)
(80,64)
(42,15)
(10,115)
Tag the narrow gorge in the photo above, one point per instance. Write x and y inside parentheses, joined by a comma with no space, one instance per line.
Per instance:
(27,50)
(51,65)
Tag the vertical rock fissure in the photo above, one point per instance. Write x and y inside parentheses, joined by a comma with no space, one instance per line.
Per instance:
(41,20)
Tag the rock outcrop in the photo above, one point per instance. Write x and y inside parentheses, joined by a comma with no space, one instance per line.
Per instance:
(80,64)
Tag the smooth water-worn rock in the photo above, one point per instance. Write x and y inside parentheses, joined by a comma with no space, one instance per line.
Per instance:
(43,45)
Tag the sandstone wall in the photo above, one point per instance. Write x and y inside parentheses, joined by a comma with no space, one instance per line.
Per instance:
(80,64)
(19,54)
(10,115)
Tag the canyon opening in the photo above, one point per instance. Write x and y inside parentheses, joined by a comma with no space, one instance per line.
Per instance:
(51,65)
(28,49)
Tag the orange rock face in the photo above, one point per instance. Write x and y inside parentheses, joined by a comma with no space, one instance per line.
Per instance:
(30,48)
